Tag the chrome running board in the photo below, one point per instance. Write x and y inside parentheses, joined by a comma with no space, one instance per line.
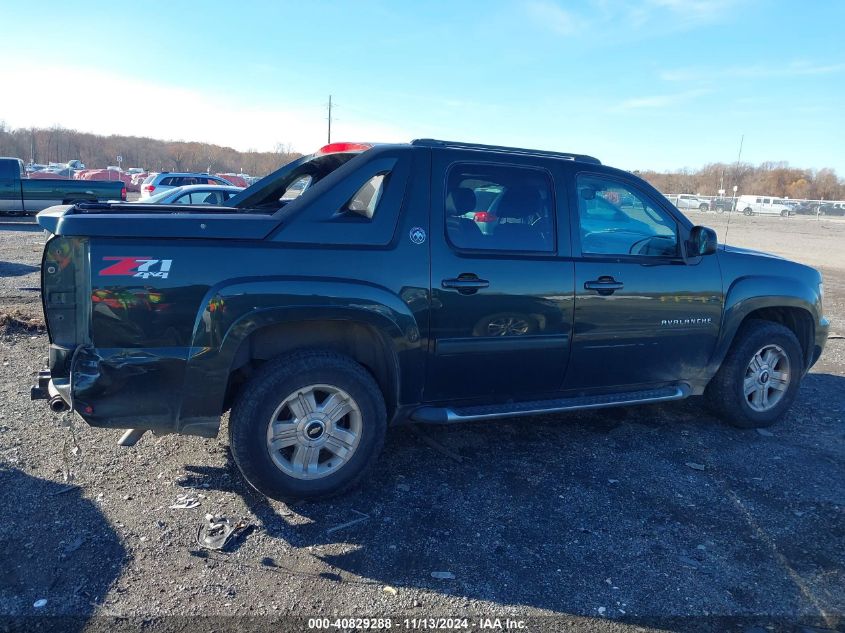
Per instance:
(451,415)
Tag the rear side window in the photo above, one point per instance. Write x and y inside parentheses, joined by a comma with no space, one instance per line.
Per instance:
(366,199)
(8,169)
(360,207)
(498,207)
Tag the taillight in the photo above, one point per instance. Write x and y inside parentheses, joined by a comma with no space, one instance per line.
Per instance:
(484,216)
(123,193)
(335,148)
(149,188)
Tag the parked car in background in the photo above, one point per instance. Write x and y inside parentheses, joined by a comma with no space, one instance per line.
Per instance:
(22,194)
(721,205)
(687,201)
(806,208)
(831,208)
(155,183)
(193,194)
(761,205)
(236,179)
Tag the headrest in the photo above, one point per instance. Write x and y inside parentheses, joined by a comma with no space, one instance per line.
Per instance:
(520,202)
(463,200)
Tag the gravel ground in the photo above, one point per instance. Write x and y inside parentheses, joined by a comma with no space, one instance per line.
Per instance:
(656,517)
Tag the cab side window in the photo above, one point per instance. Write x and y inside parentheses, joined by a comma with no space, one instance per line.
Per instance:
(501,208)
(615,219)
(366,199)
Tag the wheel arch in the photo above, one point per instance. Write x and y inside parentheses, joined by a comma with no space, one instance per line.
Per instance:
(779,300)
(366,343)
(265,318)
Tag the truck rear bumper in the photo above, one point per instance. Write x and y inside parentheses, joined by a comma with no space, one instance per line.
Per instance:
(122,389)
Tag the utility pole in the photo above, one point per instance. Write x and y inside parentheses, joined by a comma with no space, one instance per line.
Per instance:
(330,119)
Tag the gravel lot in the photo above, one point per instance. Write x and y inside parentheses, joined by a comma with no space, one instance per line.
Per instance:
(629,519)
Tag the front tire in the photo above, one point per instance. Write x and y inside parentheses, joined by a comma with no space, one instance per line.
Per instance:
(307,426)
(748,211)
(760,376)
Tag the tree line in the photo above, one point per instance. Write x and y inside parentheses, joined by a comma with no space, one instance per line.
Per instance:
(769,179)
(59,145)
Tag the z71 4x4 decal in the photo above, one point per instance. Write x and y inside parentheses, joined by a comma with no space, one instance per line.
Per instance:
(135,266)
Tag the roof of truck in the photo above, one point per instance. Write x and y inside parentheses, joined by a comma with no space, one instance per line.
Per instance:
(430,142)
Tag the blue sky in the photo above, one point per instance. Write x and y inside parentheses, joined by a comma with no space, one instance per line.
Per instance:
(659,84)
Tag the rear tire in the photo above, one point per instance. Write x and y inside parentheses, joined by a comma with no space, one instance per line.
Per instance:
(760,376)
(334,459)
(748,211)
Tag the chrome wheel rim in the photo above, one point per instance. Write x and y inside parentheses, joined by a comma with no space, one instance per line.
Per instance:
(314,432)
(766,378)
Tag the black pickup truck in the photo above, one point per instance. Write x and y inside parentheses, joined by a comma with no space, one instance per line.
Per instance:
(20,195)
(433,282)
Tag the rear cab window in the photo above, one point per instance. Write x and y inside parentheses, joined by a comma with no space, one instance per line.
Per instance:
(335,198)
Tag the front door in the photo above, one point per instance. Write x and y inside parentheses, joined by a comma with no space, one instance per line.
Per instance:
(501,282)
(10,186)
(643,314)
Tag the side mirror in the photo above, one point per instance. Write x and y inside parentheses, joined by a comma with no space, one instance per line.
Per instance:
(702,241)
(588,193)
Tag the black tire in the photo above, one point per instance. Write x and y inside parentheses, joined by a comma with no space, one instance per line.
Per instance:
(270,385)
(704,207)
(748,211)
(784,214)
(725,395)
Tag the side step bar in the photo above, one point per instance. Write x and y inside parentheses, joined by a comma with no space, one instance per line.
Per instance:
(446,415)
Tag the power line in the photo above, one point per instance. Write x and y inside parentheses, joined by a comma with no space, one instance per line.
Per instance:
(329,118)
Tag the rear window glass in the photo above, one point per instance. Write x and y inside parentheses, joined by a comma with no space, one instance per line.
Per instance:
(366,199)
(9,169)
(288,183)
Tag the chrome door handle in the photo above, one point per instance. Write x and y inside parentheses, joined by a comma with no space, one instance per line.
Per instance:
(465,284)
(604,285)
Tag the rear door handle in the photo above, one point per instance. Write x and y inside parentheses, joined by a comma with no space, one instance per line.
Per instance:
(605,285)
(465,284)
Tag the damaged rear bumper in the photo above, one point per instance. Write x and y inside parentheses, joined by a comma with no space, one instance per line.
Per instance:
(138,389)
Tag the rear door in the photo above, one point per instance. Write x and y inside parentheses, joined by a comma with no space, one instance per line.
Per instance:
(10,186)
(644,315)
(501,278)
